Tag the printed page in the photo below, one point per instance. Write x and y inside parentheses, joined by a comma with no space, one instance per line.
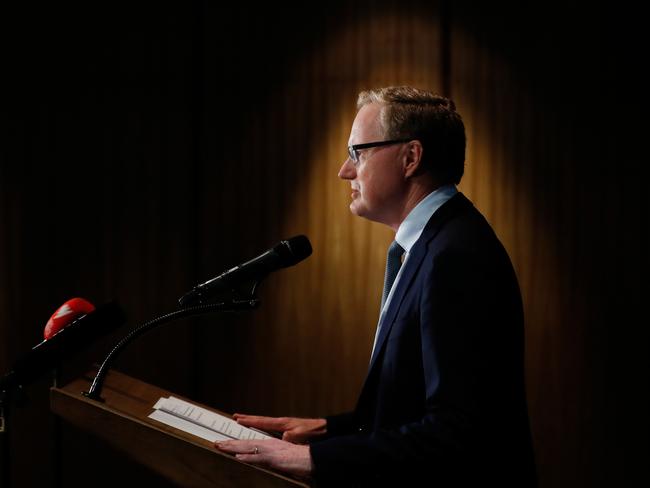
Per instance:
(201,422)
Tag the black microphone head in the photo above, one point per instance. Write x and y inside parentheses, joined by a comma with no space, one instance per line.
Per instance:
(294,250)
(282,255)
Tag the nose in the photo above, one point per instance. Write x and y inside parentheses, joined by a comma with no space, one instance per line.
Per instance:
(347,171)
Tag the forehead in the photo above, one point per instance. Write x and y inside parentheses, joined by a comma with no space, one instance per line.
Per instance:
(366,127)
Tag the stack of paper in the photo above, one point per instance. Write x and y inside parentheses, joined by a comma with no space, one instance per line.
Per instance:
(201,422)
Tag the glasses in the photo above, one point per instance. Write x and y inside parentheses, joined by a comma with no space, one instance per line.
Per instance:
(353,150)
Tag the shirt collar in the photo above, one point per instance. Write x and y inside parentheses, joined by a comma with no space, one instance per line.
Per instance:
(411,228)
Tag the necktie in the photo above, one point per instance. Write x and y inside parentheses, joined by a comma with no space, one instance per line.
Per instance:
(393,263)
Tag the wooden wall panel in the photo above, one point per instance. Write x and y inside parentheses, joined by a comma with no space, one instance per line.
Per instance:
(307,349)
(183,140)
(95,126)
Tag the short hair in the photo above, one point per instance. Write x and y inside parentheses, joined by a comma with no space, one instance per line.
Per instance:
(432,119)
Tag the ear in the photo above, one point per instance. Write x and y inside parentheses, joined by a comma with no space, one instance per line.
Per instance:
(413,158)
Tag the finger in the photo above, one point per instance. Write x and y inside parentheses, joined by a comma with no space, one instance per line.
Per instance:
(265,423)
(237,447)
(256,460)
(245,415)
(239,416)
(246,458)
(250,458)
(249,446)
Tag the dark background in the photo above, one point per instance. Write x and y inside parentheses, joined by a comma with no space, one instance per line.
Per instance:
(147,147)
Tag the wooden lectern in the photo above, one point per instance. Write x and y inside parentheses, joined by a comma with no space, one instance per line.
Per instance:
(123,422)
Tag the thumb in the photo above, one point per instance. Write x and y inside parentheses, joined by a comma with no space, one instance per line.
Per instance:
(293,437)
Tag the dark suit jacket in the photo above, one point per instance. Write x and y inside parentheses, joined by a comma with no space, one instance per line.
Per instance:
(443,403)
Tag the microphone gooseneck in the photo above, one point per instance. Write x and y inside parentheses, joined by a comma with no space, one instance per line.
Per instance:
(285,254)
(233,306)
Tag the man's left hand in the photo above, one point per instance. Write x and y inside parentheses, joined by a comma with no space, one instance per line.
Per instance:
(271,453)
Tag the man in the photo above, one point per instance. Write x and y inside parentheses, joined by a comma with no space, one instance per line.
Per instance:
(443,402)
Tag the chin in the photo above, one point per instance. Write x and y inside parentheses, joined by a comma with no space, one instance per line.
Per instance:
(357,209)
(361,211)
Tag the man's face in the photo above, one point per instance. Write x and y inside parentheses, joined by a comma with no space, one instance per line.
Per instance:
(377,180)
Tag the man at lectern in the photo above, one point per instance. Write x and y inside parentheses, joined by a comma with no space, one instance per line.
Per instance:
(443,403)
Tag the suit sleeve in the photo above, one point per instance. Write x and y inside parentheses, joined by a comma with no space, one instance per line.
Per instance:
(340,424)
(454,310)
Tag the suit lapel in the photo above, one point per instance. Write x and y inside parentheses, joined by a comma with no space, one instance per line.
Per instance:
(408,272)
(412,265)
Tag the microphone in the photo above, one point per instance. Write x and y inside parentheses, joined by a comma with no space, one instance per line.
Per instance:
(74,326)
(65,315)
(285,254)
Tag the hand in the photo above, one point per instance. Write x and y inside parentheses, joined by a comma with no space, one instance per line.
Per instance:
(271,453)
(296,430)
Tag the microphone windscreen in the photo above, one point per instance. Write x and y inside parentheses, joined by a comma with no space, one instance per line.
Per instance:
(299,249)
(76,335)
(66,314)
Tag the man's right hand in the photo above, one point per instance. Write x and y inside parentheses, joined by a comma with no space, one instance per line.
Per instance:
(296,430)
